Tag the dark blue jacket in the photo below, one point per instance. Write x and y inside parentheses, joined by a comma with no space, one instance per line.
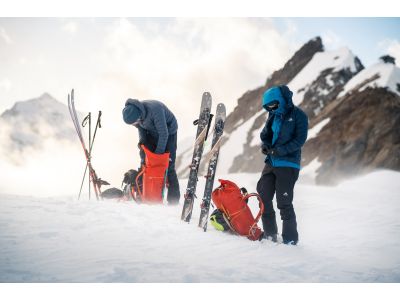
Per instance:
(157,120)
(292,129)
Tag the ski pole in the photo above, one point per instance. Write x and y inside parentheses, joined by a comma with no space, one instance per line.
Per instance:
(91,143)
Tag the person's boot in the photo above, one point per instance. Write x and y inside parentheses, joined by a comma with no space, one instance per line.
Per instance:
(270,237)
(290,242)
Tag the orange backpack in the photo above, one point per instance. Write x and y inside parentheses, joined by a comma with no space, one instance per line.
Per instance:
(153,177)
(229,199)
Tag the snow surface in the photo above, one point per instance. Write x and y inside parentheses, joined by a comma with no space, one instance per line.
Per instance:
(313,132)
(389,76)
(338,60)
(349,233)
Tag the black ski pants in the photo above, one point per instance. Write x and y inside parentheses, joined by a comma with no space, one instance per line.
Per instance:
(173,188)
(279,181)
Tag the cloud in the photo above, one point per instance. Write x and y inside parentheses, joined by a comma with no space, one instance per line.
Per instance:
(70,27)
(22,60)
(177,60)
(331,39)
(391,47)
(5,84)
(44,173)
(5,37)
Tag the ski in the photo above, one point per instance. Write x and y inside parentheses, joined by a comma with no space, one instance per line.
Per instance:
(97,182)
(203,125)
(212,158)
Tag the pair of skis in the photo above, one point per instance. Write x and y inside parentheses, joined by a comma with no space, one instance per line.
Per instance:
(203,125)
(96,181)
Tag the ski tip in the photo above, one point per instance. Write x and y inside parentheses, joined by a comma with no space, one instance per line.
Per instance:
(207,97)
(221,105)
(221,110)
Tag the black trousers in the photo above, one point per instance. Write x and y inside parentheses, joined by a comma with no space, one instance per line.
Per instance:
(173,189)
(279,181)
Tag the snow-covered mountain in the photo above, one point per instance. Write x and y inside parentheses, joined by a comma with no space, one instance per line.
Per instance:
(358,131)
(383,74)
(29,124)
(337,92)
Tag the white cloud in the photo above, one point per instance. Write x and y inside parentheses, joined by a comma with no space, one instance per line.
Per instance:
(291,28)
(23,60)
(5,84)
(178,60)
(331,39)
(391,47)
(70,27)
(6,38)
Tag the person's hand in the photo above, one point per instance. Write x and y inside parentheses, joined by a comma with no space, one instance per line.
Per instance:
(267,150)
(140,145)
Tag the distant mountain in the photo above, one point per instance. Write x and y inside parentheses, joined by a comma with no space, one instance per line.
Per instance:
(29,124)
(336,92)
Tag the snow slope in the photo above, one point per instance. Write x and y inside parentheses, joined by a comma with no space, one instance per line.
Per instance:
(347,234)
(338,60)
(313,132)
(378,75)
(235,144)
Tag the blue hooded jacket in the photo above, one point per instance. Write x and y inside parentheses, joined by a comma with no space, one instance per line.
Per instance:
(285,130)
(155,119)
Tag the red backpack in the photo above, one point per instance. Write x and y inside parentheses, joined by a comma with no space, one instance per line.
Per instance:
(229,199)
(154,176)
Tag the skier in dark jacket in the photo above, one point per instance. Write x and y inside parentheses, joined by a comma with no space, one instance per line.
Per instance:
(284,134)
(158,129)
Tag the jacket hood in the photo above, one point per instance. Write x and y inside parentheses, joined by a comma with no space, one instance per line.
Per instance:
(278,93)
(139,105)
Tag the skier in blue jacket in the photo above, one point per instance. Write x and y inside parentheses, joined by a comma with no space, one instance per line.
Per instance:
(283,136)
(158,129)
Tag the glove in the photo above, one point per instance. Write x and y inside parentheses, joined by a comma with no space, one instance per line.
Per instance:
(267,150)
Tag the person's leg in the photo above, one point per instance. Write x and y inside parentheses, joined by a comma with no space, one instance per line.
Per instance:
(173,189)
(266,190)
(285,181)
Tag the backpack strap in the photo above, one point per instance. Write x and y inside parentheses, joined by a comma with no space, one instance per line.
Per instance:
(140,174)
(261,205)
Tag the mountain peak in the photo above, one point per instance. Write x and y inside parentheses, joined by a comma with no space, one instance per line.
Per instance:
(45,102)
(383,74)
(296,63)
(46,95)
(30,123)
(387,59)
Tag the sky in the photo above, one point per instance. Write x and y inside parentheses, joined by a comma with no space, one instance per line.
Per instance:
(108,60)
(368,38)
(167,58)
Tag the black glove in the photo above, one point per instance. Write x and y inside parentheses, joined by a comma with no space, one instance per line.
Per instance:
(267,150)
